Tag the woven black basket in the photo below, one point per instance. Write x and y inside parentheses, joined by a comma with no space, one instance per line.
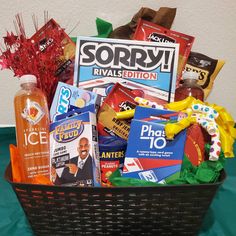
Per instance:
(166,210)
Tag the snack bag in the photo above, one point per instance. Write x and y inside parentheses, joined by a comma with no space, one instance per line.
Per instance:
(207,68)
(112,153)
(65,70)
(119,99)
(149,31)
(164,16)
(196,139)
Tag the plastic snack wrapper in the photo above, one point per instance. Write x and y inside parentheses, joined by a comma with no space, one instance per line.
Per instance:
(164,17)
(119,99)
(141,102)
(195,144)
(149,31)
(65,64)
(207,68)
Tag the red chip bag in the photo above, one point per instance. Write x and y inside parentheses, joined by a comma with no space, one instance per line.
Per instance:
(149,31)
(119,99)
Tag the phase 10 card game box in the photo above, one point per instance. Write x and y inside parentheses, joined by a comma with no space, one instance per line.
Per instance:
(150,156)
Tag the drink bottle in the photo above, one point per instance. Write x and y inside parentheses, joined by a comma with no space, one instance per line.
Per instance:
(189,87)
(32,129)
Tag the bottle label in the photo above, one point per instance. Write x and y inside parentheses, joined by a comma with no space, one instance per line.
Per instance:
(33,112)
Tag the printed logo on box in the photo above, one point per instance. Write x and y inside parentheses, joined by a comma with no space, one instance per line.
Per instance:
(148,176)
(68,130)
(67,95)
(155,137)
(152,65)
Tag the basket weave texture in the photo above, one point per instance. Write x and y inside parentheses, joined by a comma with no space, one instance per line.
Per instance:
(166,210)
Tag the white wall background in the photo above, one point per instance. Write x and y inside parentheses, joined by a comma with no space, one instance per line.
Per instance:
(212,22)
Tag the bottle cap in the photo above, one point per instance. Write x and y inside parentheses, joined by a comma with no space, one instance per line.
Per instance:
(28,79)
(190,75)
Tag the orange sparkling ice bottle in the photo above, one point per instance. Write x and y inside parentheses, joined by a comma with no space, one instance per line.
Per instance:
(32,129)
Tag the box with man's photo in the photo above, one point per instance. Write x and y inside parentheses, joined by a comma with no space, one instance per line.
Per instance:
(74,151)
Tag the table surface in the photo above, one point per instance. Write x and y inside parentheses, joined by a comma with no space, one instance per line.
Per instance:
(219,220)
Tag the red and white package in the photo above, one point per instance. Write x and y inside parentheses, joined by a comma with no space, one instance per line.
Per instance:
(119,99)
(148,31)
(45,38)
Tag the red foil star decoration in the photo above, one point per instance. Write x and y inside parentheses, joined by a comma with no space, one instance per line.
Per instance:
(39,55)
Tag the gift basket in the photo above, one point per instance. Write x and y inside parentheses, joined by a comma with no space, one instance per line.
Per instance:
(114,136)
(164,210)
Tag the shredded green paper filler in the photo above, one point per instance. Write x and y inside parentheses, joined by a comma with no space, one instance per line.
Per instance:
(206,172)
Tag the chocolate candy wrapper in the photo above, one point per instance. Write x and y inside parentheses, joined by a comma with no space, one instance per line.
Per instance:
(149,31)
(164,17)
(119,99)
(207,68)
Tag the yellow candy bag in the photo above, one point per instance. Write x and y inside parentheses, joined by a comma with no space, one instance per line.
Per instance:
(207,68)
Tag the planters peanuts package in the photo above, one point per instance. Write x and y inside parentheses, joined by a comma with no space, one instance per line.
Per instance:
(74,150)
(151,156)
(112,153)
(68,95)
